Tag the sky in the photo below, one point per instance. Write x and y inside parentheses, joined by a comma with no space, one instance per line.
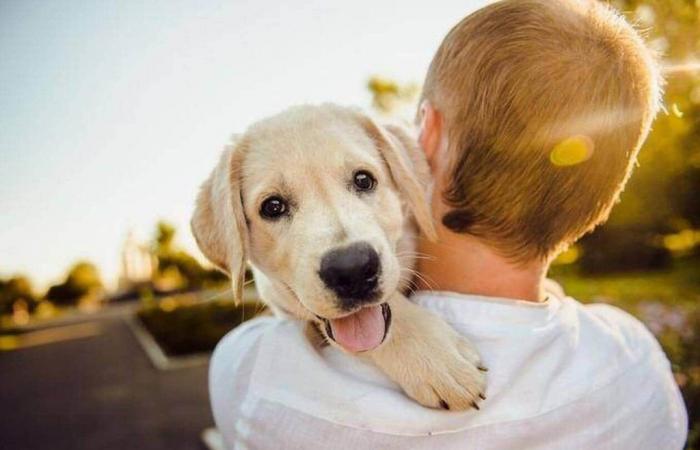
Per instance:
(112,113)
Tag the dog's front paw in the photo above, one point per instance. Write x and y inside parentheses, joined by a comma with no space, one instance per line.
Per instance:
(431,362)
(452,375)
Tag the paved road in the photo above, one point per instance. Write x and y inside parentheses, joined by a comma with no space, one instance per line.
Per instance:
(99,392)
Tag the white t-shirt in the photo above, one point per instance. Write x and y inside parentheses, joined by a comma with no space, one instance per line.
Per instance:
(561,376)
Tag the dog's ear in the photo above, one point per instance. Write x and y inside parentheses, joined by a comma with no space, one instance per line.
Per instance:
(407,167)
(218,223)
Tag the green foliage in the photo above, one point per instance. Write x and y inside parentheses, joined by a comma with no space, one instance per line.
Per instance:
(620,249)
(164,238)
(83,279)
(676,328)
(389,97)
(174,262)
(662,195)
(677,285)
(15,289)
(196,327)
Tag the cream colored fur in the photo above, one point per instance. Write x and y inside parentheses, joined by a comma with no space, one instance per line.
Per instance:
(308,154)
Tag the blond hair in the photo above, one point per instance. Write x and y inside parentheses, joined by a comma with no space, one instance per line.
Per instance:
(545,104)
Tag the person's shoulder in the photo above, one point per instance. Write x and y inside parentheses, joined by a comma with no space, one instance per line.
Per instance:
(606,329)
(623,345)
(611,323)
(236,360)
(618,319)
(247,334)
(238,350)
(631,369)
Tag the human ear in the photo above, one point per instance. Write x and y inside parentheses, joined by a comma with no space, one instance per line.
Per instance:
(430,136)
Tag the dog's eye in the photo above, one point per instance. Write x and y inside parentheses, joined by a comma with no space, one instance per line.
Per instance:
(273,207)
(364,181)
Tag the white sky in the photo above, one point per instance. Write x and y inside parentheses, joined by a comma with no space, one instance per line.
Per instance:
(113,112)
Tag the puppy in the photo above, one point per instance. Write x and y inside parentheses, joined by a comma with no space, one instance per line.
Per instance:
(325,204)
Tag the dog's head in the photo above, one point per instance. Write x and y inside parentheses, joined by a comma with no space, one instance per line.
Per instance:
(316,198)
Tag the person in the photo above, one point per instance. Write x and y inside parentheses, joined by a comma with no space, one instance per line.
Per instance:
(532,115)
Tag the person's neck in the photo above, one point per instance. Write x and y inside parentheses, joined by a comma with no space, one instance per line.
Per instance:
(465,264)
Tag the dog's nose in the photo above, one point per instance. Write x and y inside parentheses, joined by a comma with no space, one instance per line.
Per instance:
(352,273)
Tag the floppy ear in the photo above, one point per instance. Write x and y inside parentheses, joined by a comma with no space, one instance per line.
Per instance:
(218,223)
(408,168)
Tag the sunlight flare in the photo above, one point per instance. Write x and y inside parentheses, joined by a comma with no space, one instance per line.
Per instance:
(681,68)
(571,151)
(676,110)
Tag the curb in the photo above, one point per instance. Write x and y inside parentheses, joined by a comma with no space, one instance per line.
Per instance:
(155,353)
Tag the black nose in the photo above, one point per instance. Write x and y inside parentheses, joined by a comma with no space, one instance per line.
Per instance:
(352,273)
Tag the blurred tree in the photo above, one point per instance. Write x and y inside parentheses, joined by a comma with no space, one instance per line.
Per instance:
(16,289)
(165,235)
(391,98)
(672,150)
(178,269)
(83,279)
(662,195)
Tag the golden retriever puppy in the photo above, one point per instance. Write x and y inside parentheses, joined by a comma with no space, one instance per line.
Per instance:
(324,203)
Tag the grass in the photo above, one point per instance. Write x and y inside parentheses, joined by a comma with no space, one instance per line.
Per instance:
(679,286)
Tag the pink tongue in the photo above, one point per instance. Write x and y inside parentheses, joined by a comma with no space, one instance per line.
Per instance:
(361,331)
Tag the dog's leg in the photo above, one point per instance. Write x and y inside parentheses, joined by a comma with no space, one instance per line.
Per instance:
(431,362)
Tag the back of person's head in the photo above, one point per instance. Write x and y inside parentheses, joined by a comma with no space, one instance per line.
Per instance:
(545,105)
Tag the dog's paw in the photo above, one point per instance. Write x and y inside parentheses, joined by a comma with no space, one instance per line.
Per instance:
(452,376)
(431,362)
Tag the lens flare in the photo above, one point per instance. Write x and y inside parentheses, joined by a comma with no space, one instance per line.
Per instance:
(681,68)
(571,151)
(598,121)
(676,110)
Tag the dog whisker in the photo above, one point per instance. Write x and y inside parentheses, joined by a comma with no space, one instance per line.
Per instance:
(430,283)
(411,252)
(411,285)
(217,296)
(414,255)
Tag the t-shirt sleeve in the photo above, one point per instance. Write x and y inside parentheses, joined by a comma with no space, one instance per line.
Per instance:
(667,415)
(633,333)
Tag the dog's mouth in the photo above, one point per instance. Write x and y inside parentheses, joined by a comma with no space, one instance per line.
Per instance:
(363,330)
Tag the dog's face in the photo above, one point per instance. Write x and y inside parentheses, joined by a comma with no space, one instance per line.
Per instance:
(323,213)
(316,198)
